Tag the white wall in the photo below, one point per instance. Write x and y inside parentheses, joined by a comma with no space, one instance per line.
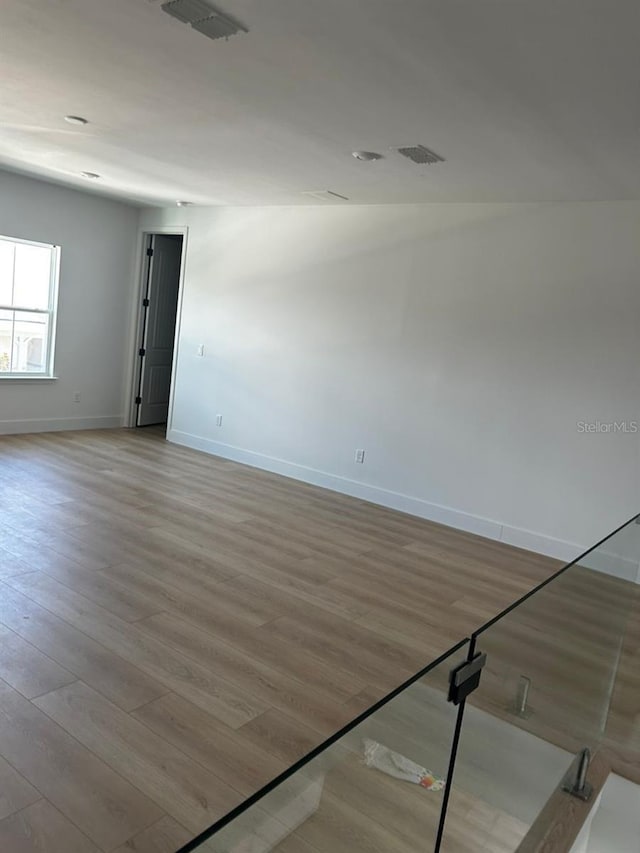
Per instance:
(459,345)
(97,237)
(614,819)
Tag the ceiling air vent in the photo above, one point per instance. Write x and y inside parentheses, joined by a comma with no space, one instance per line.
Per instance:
(420,154)
(325,195)
(203,17)
(188,10)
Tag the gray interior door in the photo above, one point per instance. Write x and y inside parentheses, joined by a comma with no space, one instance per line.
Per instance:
(159,322)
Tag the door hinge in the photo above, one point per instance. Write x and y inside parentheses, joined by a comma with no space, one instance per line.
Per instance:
(465,677)
(138,401)
(141,351)
(149,252)
(145,303)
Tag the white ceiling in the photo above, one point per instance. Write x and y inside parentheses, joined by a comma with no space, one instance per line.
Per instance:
(526,99)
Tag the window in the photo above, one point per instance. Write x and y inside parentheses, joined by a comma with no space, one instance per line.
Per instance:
(28,296)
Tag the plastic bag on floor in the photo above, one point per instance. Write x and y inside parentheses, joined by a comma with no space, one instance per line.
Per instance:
(396,765)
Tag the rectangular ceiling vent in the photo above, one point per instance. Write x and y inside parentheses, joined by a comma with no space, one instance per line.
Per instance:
(420,154)
(203,17)
(325,195)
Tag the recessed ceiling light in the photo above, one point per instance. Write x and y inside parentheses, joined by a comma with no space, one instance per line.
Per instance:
(76,120)
(366,156)
(183,203)
(91,175)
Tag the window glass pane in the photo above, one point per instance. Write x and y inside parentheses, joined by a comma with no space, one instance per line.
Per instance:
(6,272)
(27,310)
(6,328)
(32,276)
(30,337)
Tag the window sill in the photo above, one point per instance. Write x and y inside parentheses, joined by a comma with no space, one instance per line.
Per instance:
(26,378)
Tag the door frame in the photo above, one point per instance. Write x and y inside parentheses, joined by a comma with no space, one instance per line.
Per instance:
(136,328)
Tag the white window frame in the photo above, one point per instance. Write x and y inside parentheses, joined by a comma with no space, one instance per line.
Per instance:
(51,310)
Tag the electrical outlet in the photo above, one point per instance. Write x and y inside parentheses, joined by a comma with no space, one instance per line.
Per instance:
(76,397)
(218,420)
(360,456)
(200,351)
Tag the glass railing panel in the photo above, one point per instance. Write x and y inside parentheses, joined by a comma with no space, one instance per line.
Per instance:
(377,786)
(619,557)
(548,690)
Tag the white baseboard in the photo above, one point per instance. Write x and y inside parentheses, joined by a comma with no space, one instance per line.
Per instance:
(614,564)
(527,539)
(58,424)
(541,543)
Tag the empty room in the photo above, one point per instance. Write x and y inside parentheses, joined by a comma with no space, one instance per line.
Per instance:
(319,426)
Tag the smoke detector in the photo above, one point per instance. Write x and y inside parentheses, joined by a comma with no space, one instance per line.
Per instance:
(420,154)
(204,17)
(366,156)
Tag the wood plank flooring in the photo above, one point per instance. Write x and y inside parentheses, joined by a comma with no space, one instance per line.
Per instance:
(176,629)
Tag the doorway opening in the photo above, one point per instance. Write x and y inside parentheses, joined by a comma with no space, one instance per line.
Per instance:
(157,329)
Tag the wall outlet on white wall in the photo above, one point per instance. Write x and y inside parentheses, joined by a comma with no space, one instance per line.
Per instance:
(200,350)
(76,397)
(218,420)
(360,456)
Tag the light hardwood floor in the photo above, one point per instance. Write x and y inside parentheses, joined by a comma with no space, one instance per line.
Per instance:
(176,629)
